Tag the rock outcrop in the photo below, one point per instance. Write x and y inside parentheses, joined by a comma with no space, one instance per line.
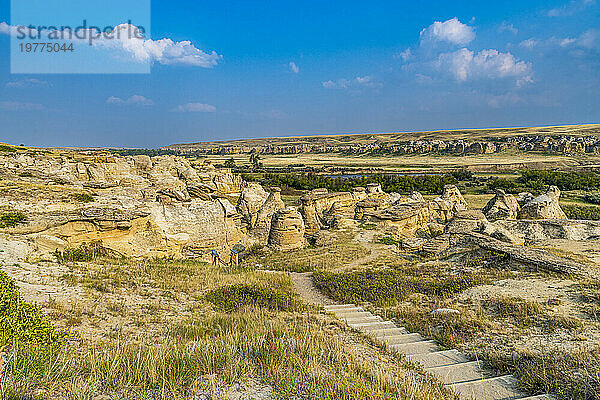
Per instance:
(502,206)
(260,230)
(403,220)
(251,199)
(449,203)
(545,206)
(287,230)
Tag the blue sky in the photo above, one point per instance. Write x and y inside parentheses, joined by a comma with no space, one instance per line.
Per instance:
(264,68)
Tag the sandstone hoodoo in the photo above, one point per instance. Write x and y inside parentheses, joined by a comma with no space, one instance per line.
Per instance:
(287,230)
(502,206)
(260,230)
(450,202)
(545,206)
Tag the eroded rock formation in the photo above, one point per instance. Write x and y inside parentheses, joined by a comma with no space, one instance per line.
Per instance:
(502,206)
(287,230)
(545,206)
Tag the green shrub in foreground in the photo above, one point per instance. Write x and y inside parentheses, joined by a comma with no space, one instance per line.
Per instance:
(11,219)
(23,323)
(385,286)
(587,213)
(235,297)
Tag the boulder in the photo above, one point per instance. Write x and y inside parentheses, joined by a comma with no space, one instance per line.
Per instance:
(502,206)
(545,206)
(466,221)
(260,230)
(252,198)
(449,203)
(500,233)
(287,230)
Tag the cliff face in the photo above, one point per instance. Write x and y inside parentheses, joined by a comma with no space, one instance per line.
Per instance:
(135,206)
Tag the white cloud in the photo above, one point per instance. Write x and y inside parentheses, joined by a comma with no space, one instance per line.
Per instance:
(196,107)
(128,40)
(358,82)
(18,106)
(25,83)
(452,31)
(294,68)
(506,99)
(506,27)
(571,8)
(465,65)
(529,43)
(404,55)
(135,100)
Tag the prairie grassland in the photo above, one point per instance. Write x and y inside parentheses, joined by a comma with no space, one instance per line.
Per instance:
(537,326)
(160,330)
(338,255)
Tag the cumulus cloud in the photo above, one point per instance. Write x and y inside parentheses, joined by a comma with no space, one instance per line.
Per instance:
(404,55)
(466,65)
(196,107)
(18,106)
(130,41)
(452,31)
(571,8)
(135,100)
(26,83)
(294,68)
(431,63)
(358,82)
(590,40)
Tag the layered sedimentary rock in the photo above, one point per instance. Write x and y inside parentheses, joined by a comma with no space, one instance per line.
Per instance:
(539,230)
(502,206)
(545,206)
(251,199)
(260,229)
(319,202)
(466,221)
(449,203)
(402,220)
(287,230)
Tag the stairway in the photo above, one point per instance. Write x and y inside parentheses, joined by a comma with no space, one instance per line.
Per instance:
(467,378)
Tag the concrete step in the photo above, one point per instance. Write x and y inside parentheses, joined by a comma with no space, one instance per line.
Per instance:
(346,314)
(372,326)
(341,307)
(402,339)
(424,346)
(540,397)
(381,334)
(361,320)
(439,359)
(456,373)
(500,388)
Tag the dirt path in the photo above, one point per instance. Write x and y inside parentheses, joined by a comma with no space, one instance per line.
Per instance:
(304,286)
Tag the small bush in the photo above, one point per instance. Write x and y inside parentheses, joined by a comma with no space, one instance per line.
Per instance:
(523,312)
(22,323)
(235,297)
(388,240)
(588,213)
(11,219)
(83,197)
(389,286)
(8,149)
(83,253)
(593,198)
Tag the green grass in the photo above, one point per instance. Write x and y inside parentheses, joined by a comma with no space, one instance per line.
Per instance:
(85,252)
(388,286)
(235,297)
(11,219)
(579,212)
(83,197)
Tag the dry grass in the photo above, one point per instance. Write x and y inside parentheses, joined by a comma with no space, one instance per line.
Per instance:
(148,331)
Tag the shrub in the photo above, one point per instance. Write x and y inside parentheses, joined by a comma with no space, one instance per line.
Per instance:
(10,219)
(22,323)
(83,197)
(593,198)
(588,213)
(235,297)
(388,286)
(85,252)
